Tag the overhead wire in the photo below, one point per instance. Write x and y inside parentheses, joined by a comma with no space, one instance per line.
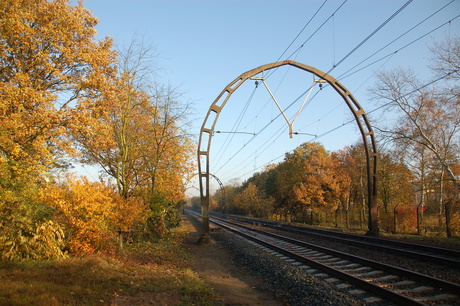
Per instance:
(403,47)
(250,140)
(235,127)
(400,36)
(316,31)
(305,26)
(317,11)
(370,35)
(261,149)
(389,56)
(346,56)
(368,113)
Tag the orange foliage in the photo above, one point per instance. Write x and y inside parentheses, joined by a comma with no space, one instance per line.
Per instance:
(308,177)
(92,213)
(407,218)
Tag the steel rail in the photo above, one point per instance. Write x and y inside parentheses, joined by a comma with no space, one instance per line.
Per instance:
(439,255)
(359,282)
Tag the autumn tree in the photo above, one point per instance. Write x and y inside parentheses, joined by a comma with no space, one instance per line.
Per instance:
(352,169)
(92,213)
(395,181)
(396,188)
(446,60)
(140,141)
(227,205)
(265,180)
(345,183)
(429,116)
(168,150)
(50,65)
(253,202)
(307,179)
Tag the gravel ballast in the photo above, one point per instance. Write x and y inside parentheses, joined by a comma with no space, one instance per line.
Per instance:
(292,283)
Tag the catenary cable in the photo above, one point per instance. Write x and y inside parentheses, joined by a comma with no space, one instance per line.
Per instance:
(374,61)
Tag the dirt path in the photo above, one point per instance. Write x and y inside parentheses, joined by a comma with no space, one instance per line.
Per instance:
(233,285)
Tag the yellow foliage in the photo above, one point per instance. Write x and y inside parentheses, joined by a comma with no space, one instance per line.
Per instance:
(46,243)
(49,59)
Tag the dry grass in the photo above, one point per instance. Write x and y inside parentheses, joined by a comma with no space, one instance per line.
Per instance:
(155,273)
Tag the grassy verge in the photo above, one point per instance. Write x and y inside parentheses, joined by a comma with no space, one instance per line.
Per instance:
(150,273)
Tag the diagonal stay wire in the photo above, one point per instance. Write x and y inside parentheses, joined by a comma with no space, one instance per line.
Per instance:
(269,141)
(262,129)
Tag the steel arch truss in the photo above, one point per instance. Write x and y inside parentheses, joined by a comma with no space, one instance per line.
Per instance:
(207,130)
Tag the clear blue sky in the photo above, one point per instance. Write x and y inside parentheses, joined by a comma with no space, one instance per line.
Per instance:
(204,45)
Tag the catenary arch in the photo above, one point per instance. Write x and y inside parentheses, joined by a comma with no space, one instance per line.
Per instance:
(365,128)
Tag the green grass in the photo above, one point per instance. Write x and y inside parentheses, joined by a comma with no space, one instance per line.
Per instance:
(157,270)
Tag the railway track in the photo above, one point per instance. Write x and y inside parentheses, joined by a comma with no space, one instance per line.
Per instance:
(447,257)
(376,280)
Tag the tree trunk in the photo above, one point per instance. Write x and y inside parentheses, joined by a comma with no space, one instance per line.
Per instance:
(337,217)
(448,227)
(347,213)
(419,218)
(441,197)
(395,220)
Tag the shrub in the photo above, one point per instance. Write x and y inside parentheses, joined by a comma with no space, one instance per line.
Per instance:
(92,213)
(47,242)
